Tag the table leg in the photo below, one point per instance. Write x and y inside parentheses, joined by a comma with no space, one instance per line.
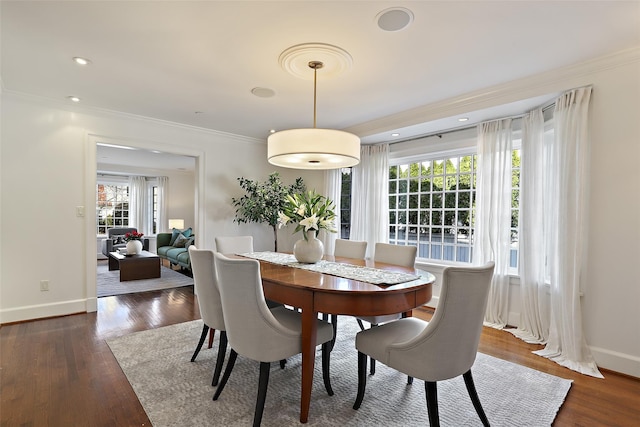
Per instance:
(309,333)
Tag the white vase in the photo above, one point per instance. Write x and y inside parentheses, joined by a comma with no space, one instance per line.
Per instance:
(309,251)
(134,247)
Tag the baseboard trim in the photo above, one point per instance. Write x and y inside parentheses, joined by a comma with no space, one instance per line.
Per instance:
(618,362)
(41,311)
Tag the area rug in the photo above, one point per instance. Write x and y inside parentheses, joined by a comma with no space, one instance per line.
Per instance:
(176,392)
(108,282)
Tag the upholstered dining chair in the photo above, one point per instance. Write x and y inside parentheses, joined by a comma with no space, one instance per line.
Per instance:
(347,249)
(273,335)
(239,245)
(389,254)
(204,278)
(234,244)
(350,249)
(438,350)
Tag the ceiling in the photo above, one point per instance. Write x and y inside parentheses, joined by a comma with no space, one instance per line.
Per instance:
(197,62)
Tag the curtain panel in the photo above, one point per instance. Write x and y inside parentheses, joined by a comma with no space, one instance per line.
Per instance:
(369,205)
(138,205)
(333,185)
(492,236)
(568,193)
(537,230)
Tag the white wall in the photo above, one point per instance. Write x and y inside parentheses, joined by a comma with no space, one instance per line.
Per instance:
(47,156)
(48,168)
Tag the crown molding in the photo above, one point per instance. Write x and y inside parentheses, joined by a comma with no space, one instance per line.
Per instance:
(556,80)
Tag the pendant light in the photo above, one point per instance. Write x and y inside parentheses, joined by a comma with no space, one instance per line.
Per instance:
(313,148)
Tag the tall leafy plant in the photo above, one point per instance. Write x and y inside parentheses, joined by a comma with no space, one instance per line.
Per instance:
(263,201)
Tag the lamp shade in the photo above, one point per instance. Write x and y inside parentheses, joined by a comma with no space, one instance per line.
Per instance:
(313,148)
(176,223)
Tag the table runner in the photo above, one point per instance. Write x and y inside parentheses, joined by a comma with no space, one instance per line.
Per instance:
(348,271)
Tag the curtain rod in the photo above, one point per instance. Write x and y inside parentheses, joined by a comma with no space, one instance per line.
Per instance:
(464,128)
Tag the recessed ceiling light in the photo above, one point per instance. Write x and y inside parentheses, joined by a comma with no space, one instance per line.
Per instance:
(263,92)
(394,19)
(73,98)
(395,134)
(463,119)
(272,131)
(81,61)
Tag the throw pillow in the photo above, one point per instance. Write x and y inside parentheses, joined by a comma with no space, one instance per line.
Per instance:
(175,233)
(118,239)
(180,241)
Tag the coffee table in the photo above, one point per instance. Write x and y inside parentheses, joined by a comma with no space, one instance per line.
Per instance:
(144,265)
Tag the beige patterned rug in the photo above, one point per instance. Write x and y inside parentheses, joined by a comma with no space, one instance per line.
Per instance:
(176,392)
(108,282)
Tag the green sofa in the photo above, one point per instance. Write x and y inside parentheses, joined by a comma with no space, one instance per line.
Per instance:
(175,250)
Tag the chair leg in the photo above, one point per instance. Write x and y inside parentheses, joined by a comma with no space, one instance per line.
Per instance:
(362,378)
(263,382)
(360,324)
(283,362)
(334,323)
(222,349)
(227,373)
(432,403)
(203,335)
(212,332)
(409,380)
(326,358)
(473,394)
(372,369)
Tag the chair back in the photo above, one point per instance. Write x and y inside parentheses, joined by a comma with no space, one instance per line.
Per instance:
(120,231)
(396,254)
(252,329)
(234,244)
(449,344)
(350,249)
(205,283)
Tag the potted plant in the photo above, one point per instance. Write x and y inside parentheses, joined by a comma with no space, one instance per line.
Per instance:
(263,201)
(134,242)
(310,212)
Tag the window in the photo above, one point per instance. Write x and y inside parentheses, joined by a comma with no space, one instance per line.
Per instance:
(154,204)
(431,206)
(112,207)
(345,204)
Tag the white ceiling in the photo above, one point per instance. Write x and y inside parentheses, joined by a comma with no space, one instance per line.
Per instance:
(171,59)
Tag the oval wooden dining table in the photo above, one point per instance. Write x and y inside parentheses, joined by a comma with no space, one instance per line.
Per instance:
(315,293)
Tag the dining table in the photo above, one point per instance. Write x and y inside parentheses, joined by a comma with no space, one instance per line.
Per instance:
(315,292)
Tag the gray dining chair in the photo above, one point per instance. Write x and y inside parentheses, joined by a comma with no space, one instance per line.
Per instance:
(347,249)
(239,245)
(273,335)
(440,349)
(350,249)
(234,244)
(204,279)
(389,254)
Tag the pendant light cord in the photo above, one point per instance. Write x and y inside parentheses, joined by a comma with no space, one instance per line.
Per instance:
(315,66)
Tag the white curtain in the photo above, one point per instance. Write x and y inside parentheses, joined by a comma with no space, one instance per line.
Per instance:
(536,233)
(370,196)
(138,203)
(162,220)
(332,184)
(568,193)
(492,236)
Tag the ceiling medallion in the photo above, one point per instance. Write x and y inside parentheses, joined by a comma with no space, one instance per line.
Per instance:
(295,60)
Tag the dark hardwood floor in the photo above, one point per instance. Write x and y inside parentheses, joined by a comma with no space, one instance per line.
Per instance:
(60,371)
